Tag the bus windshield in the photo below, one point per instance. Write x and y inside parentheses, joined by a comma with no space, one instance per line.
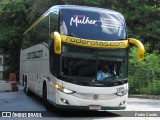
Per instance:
(88,66)
(92,25)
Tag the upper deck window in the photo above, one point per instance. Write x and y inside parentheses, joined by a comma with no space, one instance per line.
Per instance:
(92,25)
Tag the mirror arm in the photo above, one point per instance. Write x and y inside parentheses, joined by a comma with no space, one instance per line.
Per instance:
(57,42)
(140,46)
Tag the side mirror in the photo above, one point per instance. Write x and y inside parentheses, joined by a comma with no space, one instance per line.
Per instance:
(140,46)
(57,42)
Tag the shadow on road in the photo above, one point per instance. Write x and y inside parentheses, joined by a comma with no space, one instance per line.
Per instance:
(85,114)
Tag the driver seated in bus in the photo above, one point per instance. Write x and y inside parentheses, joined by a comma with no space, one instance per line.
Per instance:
(103,72)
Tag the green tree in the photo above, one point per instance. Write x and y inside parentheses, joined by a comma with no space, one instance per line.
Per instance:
(38,7)
(144,77)
(12,22)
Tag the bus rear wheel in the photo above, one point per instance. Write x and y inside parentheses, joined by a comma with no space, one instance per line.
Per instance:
(26,90)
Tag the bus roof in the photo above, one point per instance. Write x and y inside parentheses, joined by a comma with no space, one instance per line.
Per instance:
(72,7)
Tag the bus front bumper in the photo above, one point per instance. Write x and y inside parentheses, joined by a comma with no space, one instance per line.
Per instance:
(71,107)
(72,102)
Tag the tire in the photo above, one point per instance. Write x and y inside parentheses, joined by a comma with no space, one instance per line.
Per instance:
(26,90)
(23,81)
(46,103)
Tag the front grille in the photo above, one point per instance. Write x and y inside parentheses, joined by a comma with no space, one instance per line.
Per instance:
(91,96)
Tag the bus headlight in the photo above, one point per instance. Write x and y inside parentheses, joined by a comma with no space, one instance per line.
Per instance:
(122,93)
(65,90)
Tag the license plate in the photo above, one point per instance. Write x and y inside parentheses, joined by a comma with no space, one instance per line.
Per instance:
(94,107)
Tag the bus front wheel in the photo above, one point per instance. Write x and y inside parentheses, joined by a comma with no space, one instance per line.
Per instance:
(46,103)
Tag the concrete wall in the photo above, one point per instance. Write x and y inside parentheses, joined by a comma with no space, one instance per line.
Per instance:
(5,86)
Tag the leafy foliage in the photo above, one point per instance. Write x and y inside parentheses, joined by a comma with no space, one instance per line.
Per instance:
(12,22)
(144,77)
(39,7)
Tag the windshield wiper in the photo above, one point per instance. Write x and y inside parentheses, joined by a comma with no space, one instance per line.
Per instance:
(114,79)
(109,78)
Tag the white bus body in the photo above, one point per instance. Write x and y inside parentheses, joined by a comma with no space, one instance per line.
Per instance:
(78,59)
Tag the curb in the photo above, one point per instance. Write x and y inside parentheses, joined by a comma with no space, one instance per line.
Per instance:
(145,96)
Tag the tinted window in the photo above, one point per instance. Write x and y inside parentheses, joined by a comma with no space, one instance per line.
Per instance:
(53,27)
(92,25)
(53,22)
(100,66)
(41,31)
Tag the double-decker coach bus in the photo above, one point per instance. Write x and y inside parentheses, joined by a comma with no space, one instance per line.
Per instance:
(77,57)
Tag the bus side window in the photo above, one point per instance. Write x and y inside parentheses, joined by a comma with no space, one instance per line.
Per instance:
(53,25)
(41,31)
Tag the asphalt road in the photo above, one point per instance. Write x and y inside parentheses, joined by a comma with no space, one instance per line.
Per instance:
(18,101)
